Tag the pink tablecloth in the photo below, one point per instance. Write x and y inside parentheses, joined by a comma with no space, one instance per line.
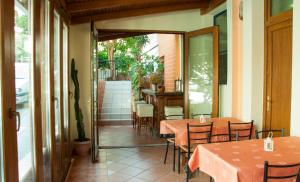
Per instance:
(178,127)
(243,161)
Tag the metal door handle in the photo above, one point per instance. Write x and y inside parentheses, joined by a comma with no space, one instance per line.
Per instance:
(16,114)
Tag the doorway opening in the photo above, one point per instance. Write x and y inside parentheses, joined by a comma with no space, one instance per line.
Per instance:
(128,63)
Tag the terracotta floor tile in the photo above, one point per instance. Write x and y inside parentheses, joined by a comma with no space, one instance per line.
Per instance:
(141,164)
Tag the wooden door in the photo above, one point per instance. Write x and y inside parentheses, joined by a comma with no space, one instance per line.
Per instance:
(201,92)
(278,76)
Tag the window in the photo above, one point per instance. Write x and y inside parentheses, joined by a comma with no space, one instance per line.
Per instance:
(24,88)
(66,93)
(280,6)
(57,90)
(45,96)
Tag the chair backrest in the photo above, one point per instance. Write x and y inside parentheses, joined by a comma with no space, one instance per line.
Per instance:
(198,134)
(257,133)
(281,168)
(173,112)
(199,115)
(240,130)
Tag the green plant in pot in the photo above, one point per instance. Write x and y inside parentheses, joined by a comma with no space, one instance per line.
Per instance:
(155,79)
(81,144)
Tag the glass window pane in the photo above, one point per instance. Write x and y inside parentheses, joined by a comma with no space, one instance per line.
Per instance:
(45,97)
(66,94)
(57,92)
(24,85)
(200,74)
(280,6)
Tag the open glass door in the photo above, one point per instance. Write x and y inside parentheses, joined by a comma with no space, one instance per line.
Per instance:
(66,137)
(24,89)
(57,96)
(201,72)
(45,94)
(94,76)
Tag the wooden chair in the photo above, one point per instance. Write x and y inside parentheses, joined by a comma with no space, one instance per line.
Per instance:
(172,113)
(198,115)
(267,166)
(238,130)
(257,133)
(197,134)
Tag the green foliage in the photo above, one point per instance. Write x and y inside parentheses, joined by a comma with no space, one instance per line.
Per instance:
(78,112)
(129,60)
(21,37)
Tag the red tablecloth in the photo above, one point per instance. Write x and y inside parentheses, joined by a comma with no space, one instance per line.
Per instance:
(178,127)
(243,161)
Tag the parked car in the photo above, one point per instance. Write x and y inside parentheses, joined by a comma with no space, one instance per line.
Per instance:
(22,90)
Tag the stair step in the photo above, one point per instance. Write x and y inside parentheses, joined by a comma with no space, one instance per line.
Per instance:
(115,110)
(115,116)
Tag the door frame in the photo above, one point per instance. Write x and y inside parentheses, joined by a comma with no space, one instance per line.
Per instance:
(215,31)
(10,151)
(270,21)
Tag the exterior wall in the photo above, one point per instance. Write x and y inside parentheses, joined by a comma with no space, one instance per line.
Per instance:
(169,50)
(80,51)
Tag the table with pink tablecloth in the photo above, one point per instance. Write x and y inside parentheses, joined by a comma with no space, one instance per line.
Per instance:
(179,128)
(243,161)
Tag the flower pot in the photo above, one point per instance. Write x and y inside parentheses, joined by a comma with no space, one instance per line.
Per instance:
(82,148)
(154,87)
(160,89)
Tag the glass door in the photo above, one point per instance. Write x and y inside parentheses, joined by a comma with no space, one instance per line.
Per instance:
(66,138)
(94,75)
(57,96)
(201,60)
(45,94)
(24,89)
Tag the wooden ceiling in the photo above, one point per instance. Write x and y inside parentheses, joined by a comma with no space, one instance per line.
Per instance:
(82,11)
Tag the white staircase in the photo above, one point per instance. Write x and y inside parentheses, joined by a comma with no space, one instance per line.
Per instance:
(116,106)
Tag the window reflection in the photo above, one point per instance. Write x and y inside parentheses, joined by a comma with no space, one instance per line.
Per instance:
(201,74)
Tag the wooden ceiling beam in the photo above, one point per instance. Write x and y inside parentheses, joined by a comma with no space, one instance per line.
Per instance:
(100,4)
(211,5)
(134,12)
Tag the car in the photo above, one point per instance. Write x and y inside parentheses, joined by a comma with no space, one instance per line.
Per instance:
(22,90)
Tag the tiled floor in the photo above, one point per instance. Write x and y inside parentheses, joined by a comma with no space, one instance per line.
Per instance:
(125,136)
(129,165)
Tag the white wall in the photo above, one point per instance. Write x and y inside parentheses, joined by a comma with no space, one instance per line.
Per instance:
(253,61)
(80,51)
(295,110)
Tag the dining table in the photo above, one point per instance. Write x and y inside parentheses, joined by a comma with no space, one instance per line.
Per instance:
(243,161)
(179,128)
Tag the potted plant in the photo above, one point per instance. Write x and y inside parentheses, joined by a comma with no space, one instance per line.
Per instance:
(81,144)
(155,79)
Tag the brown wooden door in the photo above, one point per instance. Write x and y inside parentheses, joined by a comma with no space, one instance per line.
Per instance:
(278,76)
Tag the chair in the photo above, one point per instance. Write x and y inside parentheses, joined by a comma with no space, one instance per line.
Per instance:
(144,117)
(197,134)
(172,113)
(134,105)
(257,133)
(267,166)
(238,130)
(199,115)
